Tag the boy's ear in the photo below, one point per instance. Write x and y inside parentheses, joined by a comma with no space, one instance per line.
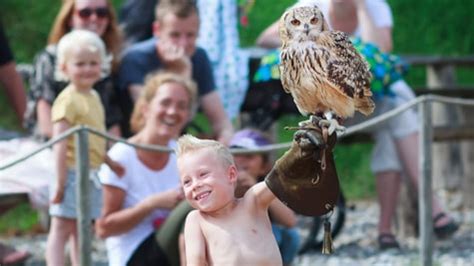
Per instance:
(233,173)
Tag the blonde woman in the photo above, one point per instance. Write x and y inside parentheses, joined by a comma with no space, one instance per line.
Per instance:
(139,203)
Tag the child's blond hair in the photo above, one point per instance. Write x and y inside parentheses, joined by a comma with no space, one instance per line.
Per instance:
(85,39)
(188,144)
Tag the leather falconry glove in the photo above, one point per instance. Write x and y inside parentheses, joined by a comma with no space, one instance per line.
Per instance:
(305,177)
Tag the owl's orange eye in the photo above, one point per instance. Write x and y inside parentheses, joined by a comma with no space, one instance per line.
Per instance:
(313,21)
(295,22)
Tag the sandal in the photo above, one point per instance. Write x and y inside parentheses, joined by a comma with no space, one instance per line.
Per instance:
(444,231)
(387,241)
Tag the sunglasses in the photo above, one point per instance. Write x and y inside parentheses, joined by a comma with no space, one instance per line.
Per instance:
(101,12)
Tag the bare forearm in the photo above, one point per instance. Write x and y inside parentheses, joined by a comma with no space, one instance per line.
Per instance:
(281,214)
(43,112)
(123,220)
(61,165)
(220,123)
(269,38)
(263,195)
(381,36)
(224,131)
(14,88)
(117,220)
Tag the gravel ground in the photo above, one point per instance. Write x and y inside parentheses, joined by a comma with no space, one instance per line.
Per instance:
(355,245)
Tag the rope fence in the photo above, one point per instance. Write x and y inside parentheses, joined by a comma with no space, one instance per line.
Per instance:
(426,135)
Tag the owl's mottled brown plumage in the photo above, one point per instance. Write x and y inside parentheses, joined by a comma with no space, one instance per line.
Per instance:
(321,68)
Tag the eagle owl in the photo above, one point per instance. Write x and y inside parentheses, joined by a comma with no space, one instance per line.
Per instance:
(321,69)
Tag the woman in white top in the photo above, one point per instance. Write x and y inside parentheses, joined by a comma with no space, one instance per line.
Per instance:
(396,142)
(137,203)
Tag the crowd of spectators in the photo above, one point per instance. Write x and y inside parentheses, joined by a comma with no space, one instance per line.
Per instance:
(163,62)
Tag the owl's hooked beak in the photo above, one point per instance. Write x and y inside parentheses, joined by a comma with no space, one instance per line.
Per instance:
(306,28)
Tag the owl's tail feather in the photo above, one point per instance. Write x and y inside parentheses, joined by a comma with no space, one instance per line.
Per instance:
(364,105)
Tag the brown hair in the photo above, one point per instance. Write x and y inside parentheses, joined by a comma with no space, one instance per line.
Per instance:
(112,36)
(179,8)
(152,84)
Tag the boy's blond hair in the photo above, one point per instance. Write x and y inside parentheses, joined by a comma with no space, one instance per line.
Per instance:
(84,39)
(152,85)
(188,144)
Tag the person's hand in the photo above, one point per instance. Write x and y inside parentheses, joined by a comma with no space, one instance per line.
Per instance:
(58,195)
(174,58)
(167,199)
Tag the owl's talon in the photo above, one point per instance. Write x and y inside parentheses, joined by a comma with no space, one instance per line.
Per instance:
(332,126)
(317,142)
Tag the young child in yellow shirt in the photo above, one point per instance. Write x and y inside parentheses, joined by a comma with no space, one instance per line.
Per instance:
(81,60)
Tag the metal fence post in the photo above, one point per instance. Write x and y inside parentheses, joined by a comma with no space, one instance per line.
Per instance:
(425,188)
(82,197)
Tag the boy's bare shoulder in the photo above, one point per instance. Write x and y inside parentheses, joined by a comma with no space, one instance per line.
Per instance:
(193,215)
(256,189)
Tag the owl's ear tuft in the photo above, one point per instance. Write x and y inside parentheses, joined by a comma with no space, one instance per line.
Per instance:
(325,26)
(318,13)
(284,33)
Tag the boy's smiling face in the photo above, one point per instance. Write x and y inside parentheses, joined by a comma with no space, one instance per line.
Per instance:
(207,182)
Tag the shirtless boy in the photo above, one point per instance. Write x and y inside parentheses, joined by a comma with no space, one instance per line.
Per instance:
(223,230)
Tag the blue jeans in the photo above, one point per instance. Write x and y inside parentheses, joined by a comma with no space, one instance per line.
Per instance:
(288,240)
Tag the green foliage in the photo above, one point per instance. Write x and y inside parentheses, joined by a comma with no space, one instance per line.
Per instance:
(263,14)
(27,24)
(18,220)
(433,27)
(352,163)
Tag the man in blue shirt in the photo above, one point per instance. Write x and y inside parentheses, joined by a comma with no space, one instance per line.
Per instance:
(173,48)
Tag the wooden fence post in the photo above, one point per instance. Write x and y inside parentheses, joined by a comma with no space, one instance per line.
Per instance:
(448,166)
(82,197)
(425,187)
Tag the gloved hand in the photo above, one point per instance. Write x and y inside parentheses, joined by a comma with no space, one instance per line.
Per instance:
(305,177)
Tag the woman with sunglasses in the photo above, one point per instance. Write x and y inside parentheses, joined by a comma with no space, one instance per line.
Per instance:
(94,15)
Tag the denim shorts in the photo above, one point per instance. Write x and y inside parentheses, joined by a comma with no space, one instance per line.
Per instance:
(384,155)
(67,208)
